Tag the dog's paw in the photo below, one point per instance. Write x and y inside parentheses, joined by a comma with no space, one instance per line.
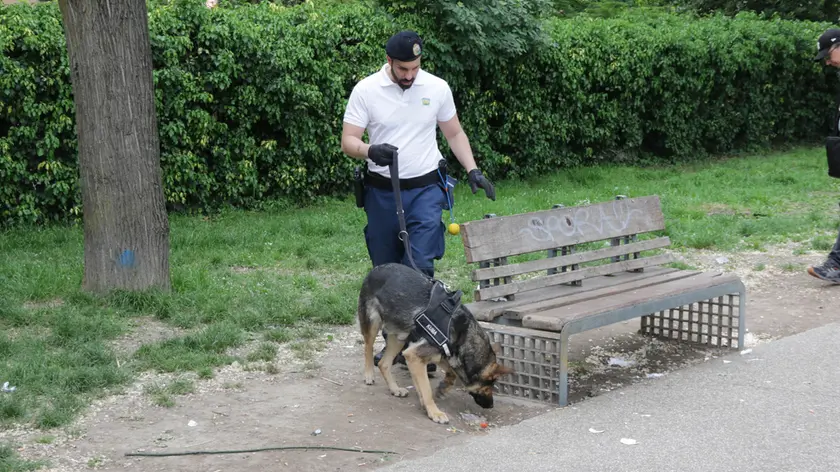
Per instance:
(369,378)
(400,392)
(438,416)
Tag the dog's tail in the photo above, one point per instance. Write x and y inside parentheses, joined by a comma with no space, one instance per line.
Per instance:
(366,320)
(369,324)
(362,315)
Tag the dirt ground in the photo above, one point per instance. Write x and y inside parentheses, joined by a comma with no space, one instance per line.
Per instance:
(322,400)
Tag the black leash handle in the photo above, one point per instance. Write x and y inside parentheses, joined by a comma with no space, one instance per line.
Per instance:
(395,184)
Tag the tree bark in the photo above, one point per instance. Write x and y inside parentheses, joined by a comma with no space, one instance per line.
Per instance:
(126,228)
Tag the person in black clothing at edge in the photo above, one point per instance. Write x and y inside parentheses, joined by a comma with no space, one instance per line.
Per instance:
(828,51)
(401,106)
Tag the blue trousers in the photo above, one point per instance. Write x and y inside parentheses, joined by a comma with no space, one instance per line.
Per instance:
(422,207)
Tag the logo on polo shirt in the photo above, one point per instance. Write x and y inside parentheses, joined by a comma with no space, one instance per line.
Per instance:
(425,101)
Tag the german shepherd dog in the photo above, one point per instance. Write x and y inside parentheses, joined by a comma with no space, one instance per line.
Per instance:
(390,298)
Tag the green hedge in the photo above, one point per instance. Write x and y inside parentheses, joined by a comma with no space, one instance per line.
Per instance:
(664,85)
(815,10)
(250,99)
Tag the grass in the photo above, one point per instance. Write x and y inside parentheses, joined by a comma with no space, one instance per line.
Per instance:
(9,461)
(282,276)
(162,394)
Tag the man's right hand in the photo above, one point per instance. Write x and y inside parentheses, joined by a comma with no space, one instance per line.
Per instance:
(382,154)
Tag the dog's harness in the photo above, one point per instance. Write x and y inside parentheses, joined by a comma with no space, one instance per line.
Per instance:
(434,322)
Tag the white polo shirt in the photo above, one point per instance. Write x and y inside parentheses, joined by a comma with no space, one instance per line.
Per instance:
(406,119)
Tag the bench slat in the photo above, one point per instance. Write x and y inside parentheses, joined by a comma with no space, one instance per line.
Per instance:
(495,291)
(555,319)
(518,312)
(568,260)
(505,236)
(488,310)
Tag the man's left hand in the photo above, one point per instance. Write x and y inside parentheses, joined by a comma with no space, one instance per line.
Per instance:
(477,179)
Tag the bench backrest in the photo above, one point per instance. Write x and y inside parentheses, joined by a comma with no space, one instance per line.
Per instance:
(558,231)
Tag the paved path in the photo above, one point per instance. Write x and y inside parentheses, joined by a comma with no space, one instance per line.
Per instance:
(774,409)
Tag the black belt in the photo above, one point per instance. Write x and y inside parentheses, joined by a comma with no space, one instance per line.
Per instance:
(381,182)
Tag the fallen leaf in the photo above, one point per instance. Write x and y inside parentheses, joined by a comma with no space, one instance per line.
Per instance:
(593,430)
(628,441)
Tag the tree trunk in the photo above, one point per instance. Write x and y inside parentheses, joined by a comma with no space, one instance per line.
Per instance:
(126,229)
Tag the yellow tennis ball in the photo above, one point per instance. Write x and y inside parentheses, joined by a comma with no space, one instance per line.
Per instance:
(454,228)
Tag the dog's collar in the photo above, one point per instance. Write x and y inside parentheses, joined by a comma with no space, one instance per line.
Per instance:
(435,321)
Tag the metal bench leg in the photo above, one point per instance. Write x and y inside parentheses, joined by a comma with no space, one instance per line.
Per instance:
(742,315)
(563,373)
(683,317)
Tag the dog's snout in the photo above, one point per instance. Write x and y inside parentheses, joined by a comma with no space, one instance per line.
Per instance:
(483,401)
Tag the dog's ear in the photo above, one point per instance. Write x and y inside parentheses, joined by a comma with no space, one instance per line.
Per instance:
(503,370)
(499,370)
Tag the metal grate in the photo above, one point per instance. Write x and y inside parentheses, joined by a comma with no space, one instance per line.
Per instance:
(713,322)
(535,357)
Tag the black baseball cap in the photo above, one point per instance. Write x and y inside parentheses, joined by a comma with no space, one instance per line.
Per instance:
(825,42)
(404,46)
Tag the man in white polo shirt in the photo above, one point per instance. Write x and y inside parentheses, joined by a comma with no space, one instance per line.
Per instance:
(401,107)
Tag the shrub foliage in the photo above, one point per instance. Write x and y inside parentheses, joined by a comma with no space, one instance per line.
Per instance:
(814,10)
(250,96)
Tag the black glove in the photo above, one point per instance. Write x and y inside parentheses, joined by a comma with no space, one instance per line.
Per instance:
(477,179)
(382,154)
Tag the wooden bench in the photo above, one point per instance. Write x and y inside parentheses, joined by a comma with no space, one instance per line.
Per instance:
(596,270)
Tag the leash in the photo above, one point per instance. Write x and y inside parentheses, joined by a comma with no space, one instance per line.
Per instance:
(448,187)
(429,328)
(260,449)
(395,184)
